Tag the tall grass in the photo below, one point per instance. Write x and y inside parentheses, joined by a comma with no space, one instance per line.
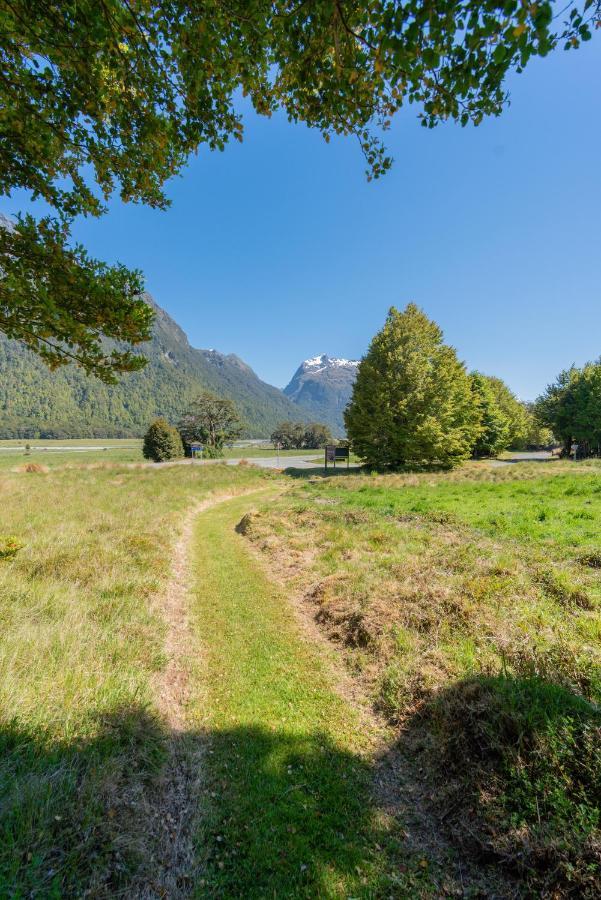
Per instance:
(81,637)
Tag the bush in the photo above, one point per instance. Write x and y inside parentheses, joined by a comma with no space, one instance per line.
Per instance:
(213,452)
(162,442)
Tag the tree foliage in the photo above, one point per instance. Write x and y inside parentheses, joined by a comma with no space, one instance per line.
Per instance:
(571,407)
(162,442)
(514,410)
(298,436)
(211,421)
(493,434)
(114,96)
(59,302)
(412,402)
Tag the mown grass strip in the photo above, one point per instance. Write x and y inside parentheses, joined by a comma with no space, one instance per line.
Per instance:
(288,769)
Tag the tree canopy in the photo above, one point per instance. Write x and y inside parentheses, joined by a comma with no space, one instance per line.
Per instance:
(493,428)
(571,407)
(108,97)
(298,436)
(412,401)
(210,420)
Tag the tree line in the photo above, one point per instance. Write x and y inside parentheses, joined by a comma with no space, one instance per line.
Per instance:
(214,422)
(299,436)
(414,403)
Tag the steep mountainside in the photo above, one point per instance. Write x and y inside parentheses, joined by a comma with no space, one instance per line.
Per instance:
(35,402)
(323,385)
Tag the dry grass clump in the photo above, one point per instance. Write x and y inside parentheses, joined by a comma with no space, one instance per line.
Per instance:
(32,467)
(417,601)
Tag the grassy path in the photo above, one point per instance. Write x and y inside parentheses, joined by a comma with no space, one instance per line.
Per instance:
(288,770)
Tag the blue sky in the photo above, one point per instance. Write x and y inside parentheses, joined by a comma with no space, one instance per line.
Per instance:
(278,249)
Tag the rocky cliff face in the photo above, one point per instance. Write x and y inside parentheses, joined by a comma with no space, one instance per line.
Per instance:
(323,386)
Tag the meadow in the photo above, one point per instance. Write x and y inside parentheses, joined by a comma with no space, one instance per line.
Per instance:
(384,685)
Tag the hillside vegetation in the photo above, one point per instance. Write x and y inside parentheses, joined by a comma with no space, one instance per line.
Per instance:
(35,402)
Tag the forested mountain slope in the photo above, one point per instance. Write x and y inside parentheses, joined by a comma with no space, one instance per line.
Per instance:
(35,402)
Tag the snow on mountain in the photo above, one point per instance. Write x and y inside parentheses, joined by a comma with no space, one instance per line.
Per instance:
(322,385)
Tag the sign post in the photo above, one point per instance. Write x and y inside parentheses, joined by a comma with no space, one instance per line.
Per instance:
(334,453)
(195,450)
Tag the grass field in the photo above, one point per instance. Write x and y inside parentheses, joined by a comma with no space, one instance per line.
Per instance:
(85,553)
(59,453)
(393,681)
(469,606)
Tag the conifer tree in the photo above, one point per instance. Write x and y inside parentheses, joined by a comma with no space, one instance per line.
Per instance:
(412,401)
(162,442)
(494,429)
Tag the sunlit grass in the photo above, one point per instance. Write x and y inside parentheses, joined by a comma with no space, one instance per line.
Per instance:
(80,639)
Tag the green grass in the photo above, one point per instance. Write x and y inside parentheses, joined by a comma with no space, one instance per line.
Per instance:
(80,641)
(289,770)
(428,582)
(466,604)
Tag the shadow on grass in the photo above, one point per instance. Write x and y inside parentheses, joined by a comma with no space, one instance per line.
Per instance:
(511,767)
(514,770)
(281,815)
(322,472)
(415,469)
(68,809)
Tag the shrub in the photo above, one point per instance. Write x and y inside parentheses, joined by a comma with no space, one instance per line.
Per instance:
(162,442)
(213,452)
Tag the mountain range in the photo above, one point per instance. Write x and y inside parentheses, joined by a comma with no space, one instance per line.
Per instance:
(38,403)
(323,385)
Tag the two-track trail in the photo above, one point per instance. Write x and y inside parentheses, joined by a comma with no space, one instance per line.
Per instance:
(267,789)
(172,809)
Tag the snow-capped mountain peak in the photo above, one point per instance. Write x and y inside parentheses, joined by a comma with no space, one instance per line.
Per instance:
(318,363)
(322,386)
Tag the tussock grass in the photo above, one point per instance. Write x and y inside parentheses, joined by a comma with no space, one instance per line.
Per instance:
(86,551)
(428,581)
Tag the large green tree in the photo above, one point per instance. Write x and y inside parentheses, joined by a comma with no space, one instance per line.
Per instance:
(412,401)
(516,412)
(212,421)
(493,434)
(113,96)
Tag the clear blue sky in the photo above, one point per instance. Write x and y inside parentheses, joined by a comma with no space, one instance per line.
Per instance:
(278,249)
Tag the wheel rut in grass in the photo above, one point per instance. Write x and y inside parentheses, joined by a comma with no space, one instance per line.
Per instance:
(171,810)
